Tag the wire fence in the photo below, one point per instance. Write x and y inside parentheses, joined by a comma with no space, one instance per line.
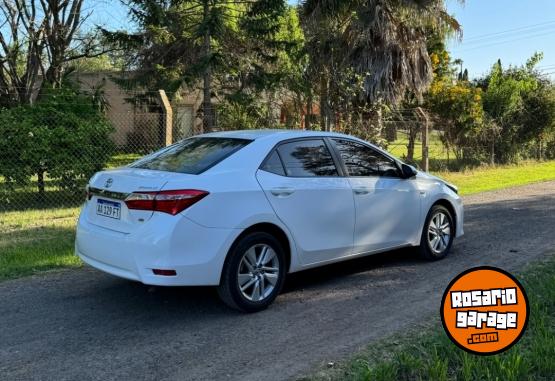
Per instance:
(45,168)
(46,159)
(48,153)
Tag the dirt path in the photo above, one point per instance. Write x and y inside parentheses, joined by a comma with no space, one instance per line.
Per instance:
(86,325)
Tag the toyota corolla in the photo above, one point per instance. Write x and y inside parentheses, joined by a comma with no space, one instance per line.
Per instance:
(240,210)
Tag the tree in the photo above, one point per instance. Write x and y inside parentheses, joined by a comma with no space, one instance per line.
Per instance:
(38,39)
(458,104)
(274,85)
(508,97)
(455,104)
(385,41)
(64,135)
(222,43)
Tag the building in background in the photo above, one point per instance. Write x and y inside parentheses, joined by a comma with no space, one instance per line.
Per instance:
(138,116)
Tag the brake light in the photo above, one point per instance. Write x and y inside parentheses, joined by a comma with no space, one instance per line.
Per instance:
(170,201)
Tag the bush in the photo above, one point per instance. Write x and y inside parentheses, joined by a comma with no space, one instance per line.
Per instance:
(64,135)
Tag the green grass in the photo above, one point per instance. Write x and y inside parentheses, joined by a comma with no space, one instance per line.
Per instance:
(436,149)
(122,159)
(36,240)
(500,177)
(429,355)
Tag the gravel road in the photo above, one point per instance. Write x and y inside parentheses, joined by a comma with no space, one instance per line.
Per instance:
(85,325)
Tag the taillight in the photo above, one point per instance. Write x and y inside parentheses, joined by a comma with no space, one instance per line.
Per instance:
(88,193)
(170,201)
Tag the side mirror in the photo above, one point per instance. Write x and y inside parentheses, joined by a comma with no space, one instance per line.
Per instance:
(408,171)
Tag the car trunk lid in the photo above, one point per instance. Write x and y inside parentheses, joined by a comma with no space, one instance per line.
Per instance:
(108,191)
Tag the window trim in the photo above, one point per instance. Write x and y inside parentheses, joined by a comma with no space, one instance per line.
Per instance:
(331,149)
(377,151)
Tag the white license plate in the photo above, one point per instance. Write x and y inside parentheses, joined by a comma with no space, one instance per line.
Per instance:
(109,209)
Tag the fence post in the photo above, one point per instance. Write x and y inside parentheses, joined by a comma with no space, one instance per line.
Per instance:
(425,145)
(167,118)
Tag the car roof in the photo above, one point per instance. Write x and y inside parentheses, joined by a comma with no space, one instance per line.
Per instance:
(276,133)
(275,136)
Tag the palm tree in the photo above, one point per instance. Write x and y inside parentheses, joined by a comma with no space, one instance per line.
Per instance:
(459,62)
(385,41)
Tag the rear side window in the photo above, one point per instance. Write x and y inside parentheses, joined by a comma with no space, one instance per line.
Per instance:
(191,156)
(273,164)
(363,161)
(307,158)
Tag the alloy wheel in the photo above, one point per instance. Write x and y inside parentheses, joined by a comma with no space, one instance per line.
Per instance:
(439,233)
(258,272)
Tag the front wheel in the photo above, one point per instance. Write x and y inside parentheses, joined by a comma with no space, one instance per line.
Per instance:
(438,233)
(254,273)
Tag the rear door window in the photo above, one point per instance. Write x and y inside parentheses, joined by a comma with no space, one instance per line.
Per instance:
(191,156)
(307,158)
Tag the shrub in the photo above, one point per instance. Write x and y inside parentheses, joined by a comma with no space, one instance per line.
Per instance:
(64,135)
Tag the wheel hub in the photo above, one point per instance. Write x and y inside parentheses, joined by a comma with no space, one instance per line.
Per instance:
(258,272)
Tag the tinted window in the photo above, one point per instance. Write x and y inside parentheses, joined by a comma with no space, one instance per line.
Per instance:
(273,164)
(362,160)
(191,156)
(307,158)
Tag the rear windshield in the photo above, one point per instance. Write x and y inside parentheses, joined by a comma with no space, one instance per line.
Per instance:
(192,156)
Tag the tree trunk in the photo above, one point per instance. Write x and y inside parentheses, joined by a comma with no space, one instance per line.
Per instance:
(40,183)
(54,75)
(391,132)
(308,114)
(379,122)
(323,102)
(425,131)
(208,109)
(412,139)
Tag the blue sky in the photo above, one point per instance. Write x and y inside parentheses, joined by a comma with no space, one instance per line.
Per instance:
(511,30)
(507,29)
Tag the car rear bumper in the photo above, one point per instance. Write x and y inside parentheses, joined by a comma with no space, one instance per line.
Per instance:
(196,253)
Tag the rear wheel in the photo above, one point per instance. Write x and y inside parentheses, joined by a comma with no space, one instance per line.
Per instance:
(438,233)
(254,273)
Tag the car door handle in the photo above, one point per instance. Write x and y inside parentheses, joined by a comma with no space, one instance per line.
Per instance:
(282,191)
(361,191)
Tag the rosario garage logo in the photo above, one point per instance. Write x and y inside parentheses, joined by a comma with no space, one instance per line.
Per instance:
(484,310)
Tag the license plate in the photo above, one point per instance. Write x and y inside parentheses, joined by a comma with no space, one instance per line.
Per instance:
(109,209)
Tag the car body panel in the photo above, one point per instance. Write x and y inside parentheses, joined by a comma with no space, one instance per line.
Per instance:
(388,212)
(324,228)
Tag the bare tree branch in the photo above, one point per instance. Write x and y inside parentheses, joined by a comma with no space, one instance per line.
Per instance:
(38,38)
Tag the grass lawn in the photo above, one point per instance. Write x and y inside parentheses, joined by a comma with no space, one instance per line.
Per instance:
(122,159)
(430,355)
(36,240)
(436,149)
(490,178)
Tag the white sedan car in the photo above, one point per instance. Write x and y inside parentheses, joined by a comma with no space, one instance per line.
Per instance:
(239,210)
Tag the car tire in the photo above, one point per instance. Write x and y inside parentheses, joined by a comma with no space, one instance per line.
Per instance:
(438,234)
(253,273)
